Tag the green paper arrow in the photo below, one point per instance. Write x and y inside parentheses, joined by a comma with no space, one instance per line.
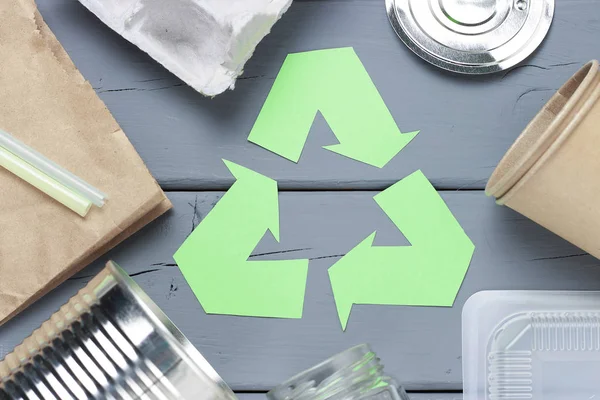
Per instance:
(214,258)
(427,273)
(336,83)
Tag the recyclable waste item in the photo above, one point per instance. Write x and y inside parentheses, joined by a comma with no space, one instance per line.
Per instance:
(550,174)
(531,345)
(206,43)
(351,375)
(471,36)
(58,183)
(109,341)
(47,105)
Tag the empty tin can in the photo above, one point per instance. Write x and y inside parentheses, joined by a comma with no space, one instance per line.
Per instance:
(110,341)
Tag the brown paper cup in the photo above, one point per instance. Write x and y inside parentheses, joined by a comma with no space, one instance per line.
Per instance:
(551,174)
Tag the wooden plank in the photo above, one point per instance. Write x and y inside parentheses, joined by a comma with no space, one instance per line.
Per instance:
(435,396)
(412,395)
(421,347)
(466,123)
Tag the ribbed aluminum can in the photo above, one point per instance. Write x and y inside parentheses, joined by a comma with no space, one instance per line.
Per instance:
(110,341)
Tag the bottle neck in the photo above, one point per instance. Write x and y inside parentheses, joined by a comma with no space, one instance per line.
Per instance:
(354,374)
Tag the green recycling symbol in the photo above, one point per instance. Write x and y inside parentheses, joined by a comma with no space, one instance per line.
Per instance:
(335,83)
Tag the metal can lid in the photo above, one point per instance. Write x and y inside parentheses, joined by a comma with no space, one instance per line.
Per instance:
(471,36)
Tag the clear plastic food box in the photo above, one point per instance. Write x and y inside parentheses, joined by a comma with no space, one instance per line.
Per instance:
(531,345)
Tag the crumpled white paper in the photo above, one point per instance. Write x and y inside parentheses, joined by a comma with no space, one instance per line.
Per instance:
(206,43)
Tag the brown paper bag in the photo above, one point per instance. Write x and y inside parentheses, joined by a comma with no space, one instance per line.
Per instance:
(46,103)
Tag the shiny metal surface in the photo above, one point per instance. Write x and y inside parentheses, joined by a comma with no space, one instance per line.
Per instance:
(471,36)
(110,341)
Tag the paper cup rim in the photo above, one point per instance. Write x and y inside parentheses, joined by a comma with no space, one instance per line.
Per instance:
(528,153)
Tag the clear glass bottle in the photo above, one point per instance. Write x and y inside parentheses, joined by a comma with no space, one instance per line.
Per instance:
(351,375)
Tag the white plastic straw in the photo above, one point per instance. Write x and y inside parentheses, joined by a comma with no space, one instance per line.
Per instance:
(43,182)
(51,169)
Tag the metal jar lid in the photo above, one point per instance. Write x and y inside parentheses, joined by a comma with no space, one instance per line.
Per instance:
(471,36)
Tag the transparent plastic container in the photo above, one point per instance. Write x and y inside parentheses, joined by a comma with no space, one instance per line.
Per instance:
(351,375)
(531,345)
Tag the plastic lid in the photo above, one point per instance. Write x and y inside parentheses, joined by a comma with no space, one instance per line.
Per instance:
(531,345)
(472,36)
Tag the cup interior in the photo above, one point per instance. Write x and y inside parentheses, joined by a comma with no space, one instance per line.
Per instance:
(539,134)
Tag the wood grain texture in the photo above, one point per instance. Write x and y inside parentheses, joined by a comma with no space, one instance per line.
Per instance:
(466,123)
(420,346)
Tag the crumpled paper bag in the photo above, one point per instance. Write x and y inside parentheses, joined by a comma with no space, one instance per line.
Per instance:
(206,43)
(47,104)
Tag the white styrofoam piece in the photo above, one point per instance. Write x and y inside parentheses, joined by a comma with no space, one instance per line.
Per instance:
(206,43)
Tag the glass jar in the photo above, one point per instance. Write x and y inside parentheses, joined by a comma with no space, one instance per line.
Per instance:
(351,375)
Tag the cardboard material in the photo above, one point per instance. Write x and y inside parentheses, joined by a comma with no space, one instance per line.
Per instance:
(48,105)
(550,174)
(206,43)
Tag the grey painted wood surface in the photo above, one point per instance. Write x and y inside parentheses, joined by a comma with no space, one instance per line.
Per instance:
(412,395)
(434,396)
(420,346)
(466,123)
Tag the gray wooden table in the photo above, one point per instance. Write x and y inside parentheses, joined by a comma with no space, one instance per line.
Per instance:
(466,124)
